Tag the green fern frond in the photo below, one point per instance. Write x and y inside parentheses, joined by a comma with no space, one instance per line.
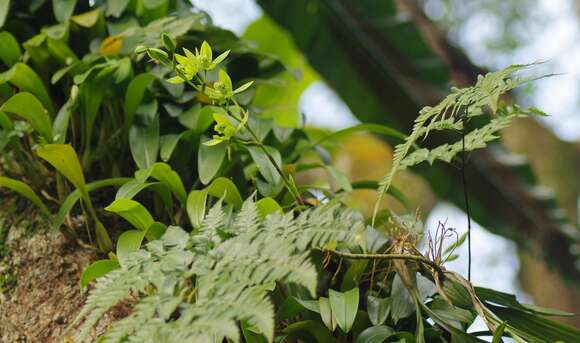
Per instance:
(197,287)
(450,114)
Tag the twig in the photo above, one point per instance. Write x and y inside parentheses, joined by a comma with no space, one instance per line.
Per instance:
(416,258)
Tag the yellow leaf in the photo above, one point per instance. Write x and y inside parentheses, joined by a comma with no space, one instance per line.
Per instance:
(111,45)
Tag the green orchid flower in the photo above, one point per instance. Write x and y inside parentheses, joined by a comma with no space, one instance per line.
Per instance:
(223,89)
(225,128)
(190,64)
(205,56)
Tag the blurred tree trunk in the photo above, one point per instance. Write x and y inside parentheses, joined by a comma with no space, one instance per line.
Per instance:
(556,165)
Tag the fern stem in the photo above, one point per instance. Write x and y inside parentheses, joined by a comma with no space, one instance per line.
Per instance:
(417,258)
(465,195)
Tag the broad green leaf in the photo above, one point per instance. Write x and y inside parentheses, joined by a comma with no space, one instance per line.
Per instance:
(28,107)
(133,97)
(129,241)
(402,305)
(26,79)
(458,334)
(375,334)
(116,7)
(63,9)
(352,276)
(265,166)
(167,145)
(224,188)
(162,172)
(378,309)
(4,9)
(196,203)
(10,52)
(311,305)
(155,231)
(65,160)
(268,206)
(96,270)
(288,309)
(87,19)
(326,314)
(24,190)
(74,196)
(210,160)
(344,307)
(130,189)
(450,314)
(310,331)
(144,143)
(133,212)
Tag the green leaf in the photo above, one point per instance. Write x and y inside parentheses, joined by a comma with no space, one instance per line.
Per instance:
(28,107)
(133,212)
(265,166)
(24,190)
(4,9)
(61,121)
(167,145)
(210,160)
(65,160)
(129,241)
(268,206)
(224,188)
(144,143)
(116,7)
(96,270)
(344,307)
(162,172)
(74,196)
(535,328)
(155,231)
(402,305)
(26,79)
(510,300)
(340,178)
(133,97)
(326,314)
(378,309)
(10,52)
(103,239)
(498,333)
(452,315)
(375,334)
(196,203)
(63,9)
(168,42)
(310,305)
(88,19)
(310,331)
(376,128)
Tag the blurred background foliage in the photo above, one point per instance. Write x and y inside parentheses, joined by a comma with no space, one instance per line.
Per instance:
(386,59)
